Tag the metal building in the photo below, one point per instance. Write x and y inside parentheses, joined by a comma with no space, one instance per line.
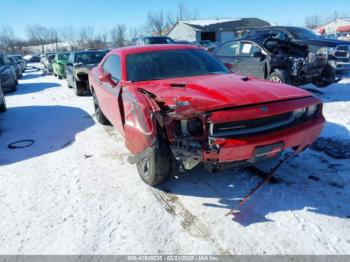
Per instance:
(215,30)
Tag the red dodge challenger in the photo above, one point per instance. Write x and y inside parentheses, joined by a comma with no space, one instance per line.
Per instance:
(177,104)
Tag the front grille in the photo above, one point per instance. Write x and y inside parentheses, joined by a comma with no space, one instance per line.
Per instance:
(249,127)
(342,52)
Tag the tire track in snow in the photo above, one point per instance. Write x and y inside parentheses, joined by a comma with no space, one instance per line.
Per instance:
(189,222)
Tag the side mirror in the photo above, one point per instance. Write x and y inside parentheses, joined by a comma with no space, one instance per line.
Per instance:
(107,78)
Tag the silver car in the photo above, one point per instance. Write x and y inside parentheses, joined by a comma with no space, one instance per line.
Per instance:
(7,75)
(2,101)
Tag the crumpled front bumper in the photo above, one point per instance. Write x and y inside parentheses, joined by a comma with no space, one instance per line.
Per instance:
(297,137)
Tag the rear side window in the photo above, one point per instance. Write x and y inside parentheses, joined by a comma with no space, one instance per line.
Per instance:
(112,65)
(248,49)
(229,49)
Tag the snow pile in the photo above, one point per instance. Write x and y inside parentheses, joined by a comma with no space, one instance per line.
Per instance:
(73,191)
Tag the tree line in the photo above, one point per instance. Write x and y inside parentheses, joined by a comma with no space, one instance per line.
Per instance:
(70,38)
(316,20)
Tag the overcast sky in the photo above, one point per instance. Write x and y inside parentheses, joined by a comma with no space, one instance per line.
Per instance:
(103,14)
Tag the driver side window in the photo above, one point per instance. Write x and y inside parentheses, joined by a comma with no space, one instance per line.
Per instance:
(112,65)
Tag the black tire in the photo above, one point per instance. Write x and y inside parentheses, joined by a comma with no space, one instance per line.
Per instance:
(326,78)
(3,107)
(155,163)
(77,89)
(59,77)
(14,87)
(101,118)
(279,77)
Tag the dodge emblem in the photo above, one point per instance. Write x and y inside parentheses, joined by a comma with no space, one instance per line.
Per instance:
(264,109)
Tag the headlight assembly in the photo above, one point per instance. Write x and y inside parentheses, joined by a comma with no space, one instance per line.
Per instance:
(192,127)
(306,112)
(312,111)
(298,114)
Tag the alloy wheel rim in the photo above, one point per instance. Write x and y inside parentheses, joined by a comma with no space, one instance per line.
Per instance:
(276,79)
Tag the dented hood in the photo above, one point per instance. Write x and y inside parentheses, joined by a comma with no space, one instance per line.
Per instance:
(212,92)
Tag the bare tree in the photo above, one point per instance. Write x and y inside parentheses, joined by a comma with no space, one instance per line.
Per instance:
(181,14)
(86,37)
(313,21)
(39,35)
(100,40)
(136,32)
(118,35)
(156,23)
(159,24)
(69,36)
(8,40)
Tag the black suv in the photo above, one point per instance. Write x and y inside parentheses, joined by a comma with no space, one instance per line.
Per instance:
(153,40)
(77,68)
(276,60)
(338,51)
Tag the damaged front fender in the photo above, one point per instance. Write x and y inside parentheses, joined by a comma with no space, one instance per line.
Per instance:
(139,121)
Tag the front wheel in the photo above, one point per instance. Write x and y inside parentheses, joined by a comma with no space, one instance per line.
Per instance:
(101,118)
(154,164)
(278,77)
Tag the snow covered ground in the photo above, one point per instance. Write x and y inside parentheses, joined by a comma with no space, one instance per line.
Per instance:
(73,191)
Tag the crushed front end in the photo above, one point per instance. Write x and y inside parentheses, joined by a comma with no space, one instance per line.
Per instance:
(244,135)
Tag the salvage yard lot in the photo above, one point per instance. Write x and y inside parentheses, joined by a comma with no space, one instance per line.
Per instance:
(74,192)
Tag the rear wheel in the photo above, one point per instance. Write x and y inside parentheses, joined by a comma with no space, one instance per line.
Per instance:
(279,77)
(77,89)
(154,164)
(3,107)
(101,118)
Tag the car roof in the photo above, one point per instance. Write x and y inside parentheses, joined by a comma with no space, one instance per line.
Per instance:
(151,48)
(278,27)
(88,51)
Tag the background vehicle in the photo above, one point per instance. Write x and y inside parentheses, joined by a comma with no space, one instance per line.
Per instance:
(2,100)
(78,66)
(338,51)
(33,62)
(7,75)
(153,40)
(22,61)
(47,62)
(59,64)
(17,65)
(207,45)
(179,102)
(277,60)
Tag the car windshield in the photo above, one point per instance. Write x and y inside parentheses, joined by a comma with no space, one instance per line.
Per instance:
(172,64)
(302,33)
(158,40)
(63,56)
(89,57)
(50,57)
